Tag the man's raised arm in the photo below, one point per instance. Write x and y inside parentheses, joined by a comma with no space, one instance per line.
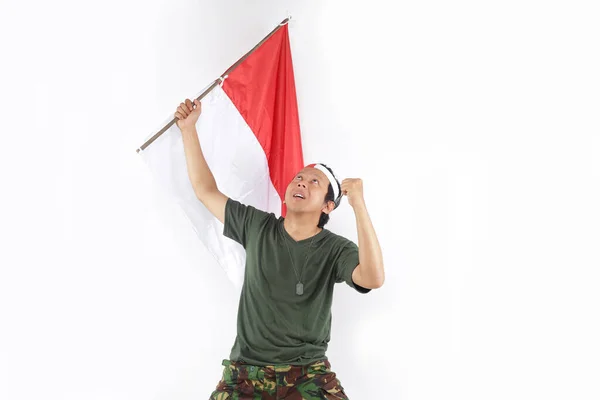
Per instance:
(201,178)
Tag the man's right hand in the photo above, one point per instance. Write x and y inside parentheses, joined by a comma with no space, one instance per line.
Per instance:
(187,114)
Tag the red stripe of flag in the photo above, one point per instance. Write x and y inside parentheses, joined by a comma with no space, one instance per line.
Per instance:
(262,89)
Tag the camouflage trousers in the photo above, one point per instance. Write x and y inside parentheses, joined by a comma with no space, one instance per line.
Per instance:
(243,381)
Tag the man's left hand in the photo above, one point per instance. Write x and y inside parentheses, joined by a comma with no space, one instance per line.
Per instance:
(353,189)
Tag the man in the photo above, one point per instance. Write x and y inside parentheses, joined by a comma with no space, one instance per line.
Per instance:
(292,264)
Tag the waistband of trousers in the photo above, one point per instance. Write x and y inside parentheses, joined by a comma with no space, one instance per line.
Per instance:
(253,370)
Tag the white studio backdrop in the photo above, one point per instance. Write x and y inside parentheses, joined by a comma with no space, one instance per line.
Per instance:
(474,126)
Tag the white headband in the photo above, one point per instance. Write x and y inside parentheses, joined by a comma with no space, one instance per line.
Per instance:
(329,176)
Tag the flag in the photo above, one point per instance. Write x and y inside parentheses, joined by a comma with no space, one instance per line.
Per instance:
(249,132)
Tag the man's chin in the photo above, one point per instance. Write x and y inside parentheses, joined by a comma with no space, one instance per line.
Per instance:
(294,207)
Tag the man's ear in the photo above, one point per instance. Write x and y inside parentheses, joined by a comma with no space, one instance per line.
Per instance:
(328,207)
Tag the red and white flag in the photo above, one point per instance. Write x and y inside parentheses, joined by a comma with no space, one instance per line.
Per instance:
(249,132)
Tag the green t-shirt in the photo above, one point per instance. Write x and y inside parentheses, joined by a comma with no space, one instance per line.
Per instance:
(274,324)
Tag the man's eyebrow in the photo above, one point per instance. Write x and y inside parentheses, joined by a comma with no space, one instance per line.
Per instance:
(313,174)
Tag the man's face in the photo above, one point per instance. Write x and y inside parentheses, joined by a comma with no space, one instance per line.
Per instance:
(306,192)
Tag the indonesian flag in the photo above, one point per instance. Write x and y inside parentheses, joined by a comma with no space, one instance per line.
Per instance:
(250,136)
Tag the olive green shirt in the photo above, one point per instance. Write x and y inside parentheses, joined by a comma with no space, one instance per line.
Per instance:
(274,324)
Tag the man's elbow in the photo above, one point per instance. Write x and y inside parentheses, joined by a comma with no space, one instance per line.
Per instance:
(378,280)
(367,278)
(202,190)
(377,284)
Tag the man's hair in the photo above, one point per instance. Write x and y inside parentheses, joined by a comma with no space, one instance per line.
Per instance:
(328,197)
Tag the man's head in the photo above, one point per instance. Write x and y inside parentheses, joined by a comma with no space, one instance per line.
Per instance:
(311,191)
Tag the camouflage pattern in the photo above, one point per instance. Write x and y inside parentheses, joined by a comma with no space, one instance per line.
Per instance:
(243,381)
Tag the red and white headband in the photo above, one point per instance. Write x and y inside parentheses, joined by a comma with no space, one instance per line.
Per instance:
(329,175)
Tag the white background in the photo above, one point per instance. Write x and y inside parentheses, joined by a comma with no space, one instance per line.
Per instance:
(474,126)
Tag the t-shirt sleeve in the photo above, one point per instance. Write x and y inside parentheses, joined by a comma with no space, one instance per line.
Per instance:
(345,264)
(241,221)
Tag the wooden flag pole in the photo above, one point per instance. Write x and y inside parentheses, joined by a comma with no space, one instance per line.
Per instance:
(215,83)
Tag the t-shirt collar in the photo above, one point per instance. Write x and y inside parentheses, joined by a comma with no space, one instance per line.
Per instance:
(285,233)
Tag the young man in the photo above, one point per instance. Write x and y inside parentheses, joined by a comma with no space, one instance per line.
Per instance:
(292,264)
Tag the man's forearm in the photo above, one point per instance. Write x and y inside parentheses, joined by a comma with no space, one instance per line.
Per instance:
(369,251)
(200,174)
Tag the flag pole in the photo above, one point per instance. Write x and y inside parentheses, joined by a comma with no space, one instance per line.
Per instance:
(215,83)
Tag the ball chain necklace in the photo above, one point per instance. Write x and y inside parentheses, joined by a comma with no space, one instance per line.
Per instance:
(299,285)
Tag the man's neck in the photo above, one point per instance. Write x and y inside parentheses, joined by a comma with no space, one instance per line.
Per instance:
(300,226)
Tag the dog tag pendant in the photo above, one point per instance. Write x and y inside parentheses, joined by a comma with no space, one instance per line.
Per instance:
(299,289)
